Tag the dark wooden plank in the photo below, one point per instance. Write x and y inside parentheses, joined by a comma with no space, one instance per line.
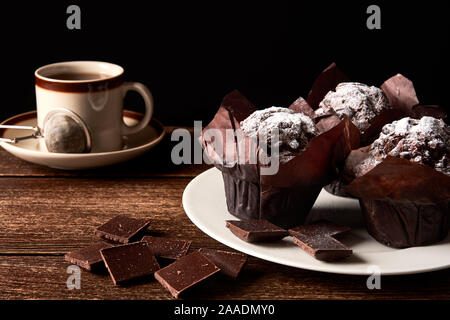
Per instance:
(55,215)
(44,214)
(155,163)
(44,277)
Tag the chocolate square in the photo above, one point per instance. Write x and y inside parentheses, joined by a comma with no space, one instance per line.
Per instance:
(229,263)
(122,228)
(186,272)
(88,258)
(254,230)
(318,240)
(166,247)
(129,262)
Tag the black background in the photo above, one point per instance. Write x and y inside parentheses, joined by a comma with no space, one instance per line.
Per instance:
(191,53)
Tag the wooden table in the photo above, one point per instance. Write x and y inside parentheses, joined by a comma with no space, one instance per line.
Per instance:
(45,213)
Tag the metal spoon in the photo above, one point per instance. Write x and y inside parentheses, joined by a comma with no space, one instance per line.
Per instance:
(36,134)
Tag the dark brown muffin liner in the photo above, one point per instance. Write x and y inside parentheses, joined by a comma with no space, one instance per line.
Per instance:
(406,224)
(286,197)
(243,197)
(244,200)
(404,203)
(288,207)
(400,93)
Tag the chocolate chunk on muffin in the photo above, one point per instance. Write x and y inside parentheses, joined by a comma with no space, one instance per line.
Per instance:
(295,130)
(360,102)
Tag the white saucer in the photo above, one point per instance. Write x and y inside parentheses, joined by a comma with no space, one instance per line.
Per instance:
(204,203)
(30,150)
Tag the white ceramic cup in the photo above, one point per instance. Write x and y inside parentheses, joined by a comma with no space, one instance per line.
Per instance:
(94,91)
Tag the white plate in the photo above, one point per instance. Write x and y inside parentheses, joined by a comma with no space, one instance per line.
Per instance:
(32,151)
(204,203)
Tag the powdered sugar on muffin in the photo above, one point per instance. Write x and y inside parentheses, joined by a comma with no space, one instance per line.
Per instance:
(295,129)
(360,102)
(425,141)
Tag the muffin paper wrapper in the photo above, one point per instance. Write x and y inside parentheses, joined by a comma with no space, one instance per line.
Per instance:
(286,197)
(399,179)
(406,224)
(404,203)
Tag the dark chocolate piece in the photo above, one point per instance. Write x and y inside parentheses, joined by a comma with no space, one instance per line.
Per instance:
(122,228)
(318,240)
(229,263)
(167,248)
(254,230)
(88,258)
(186,272)
(129,262)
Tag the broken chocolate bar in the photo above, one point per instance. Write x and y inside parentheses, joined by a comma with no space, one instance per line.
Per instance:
(129,262)
(229,263)
(186,272)
(122,228)
(318,240)
(88,258)
(166,247)
(254,230)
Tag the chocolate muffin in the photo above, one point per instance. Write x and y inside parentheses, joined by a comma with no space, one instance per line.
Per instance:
(360,102)
(308,159)
(406,202)
(285,207)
